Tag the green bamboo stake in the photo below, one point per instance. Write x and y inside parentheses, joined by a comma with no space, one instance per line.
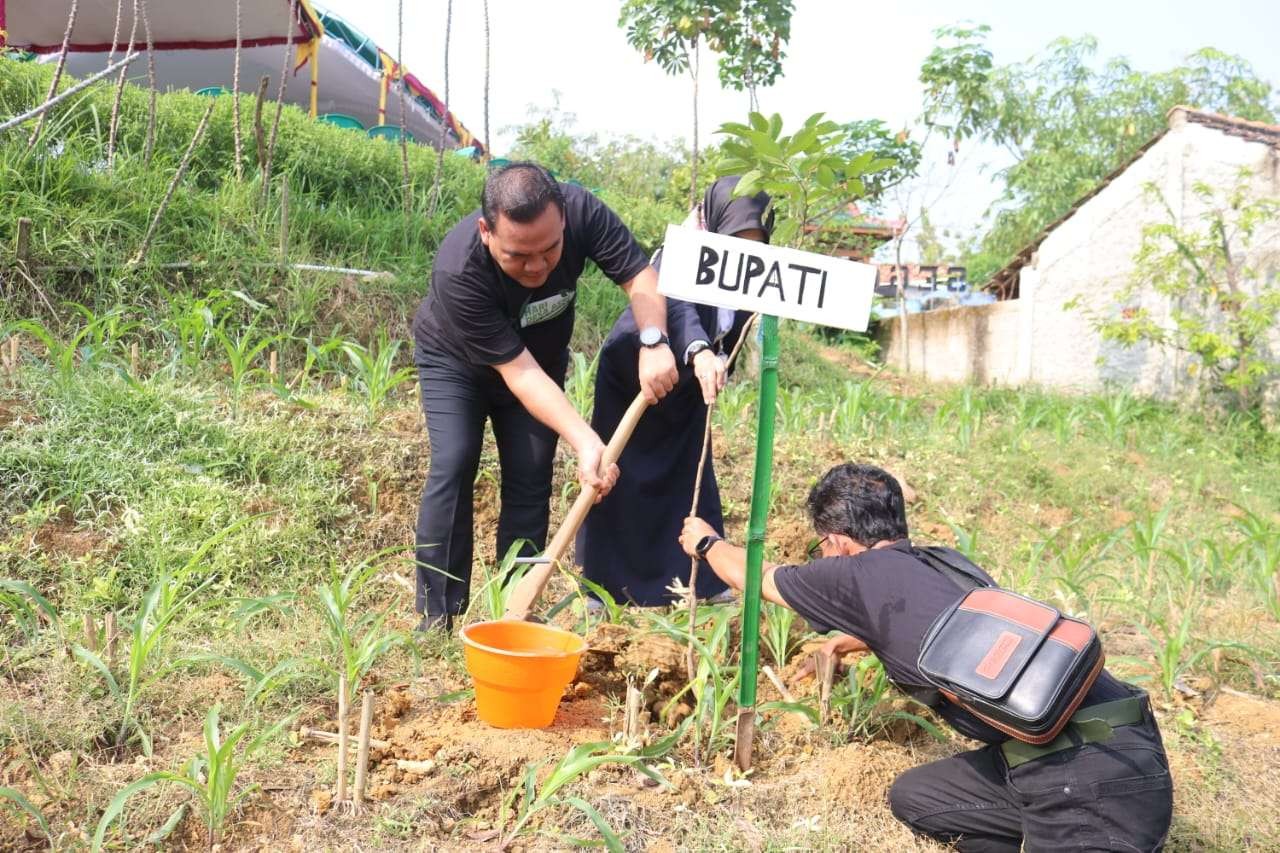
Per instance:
(750,655)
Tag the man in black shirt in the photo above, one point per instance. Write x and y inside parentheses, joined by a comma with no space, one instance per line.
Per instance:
(1106,789)
(491,342)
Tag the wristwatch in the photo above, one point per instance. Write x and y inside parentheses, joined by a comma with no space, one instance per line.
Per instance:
(704,545)
(693,349)
(652,336)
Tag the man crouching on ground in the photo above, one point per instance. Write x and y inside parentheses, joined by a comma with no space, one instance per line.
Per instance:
(1099,793)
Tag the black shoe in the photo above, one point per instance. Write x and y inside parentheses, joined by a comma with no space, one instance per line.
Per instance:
(439,622)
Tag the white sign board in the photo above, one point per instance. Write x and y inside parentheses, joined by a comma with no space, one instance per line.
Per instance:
(714,269)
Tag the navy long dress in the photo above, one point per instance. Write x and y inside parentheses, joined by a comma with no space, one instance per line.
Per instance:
(629,542)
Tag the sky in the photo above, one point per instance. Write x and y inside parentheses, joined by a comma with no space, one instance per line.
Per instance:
(849,60)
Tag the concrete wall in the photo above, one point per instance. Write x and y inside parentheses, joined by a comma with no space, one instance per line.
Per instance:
(958,344)
(1047,336)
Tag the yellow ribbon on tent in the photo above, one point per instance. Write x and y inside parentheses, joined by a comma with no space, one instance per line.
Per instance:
(390,71)
(309,51)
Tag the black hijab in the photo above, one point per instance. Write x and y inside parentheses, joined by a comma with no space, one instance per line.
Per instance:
(724,214)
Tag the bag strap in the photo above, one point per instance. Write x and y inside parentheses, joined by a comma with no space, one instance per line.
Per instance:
(949,562)
(961,571)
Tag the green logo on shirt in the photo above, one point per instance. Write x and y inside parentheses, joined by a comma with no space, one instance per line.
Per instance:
(546,309)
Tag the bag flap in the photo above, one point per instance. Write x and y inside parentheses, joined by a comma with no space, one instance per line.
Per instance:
(986,641)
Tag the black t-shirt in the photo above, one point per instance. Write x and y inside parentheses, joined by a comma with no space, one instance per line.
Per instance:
(888,598)
(478,314)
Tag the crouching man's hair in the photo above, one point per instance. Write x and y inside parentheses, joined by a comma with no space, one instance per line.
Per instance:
(862,502)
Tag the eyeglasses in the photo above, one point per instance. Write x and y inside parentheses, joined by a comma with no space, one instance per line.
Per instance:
(815,548)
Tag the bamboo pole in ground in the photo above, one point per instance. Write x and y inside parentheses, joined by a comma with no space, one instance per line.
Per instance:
(57,76)
(173,186)
(259,132)
(284,221)
(284,83)
(341,795)
(114,129)
(235,103)
(40,111)
(362,753)
(273,367)
(133,359)
(151,85)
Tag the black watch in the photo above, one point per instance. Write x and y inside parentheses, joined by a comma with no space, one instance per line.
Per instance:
(704,545)
(693,349)
(652,336)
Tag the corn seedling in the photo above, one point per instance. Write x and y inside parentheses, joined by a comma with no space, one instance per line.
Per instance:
(27,608)
(610,608)
(859,698)
(167,605)
(714,685)
(375,374)
(1169,625)
(500,583)
(777,632)
(15,801)
(242,350)
(355,644)
(850,410)
(210,776)
(1115,412)
(531,798)
(580,386)
(963,413)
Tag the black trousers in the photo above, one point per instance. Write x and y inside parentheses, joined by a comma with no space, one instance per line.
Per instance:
(458,398)
(1116,795)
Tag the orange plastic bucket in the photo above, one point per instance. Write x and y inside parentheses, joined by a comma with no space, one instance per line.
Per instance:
(520,670)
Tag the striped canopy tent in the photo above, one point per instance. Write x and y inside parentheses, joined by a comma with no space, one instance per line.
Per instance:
(195,40)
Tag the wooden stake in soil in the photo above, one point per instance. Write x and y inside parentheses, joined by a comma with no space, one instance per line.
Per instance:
(133,359)
(13,358)
(90,633)
(631,720)
(362,754)
(273,367)
(341,795)
(22,248)
(824,670)
(111,635)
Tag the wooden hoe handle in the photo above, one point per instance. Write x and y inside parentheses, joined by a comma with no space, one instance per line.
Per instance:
(526,593)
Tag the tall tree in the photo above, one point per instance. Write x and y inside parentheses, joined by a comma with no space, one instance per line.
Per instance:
(749,35)
(1065,121)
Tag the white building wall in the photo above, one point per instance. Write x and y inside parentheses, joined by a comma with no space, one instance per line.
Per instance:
(1047,336)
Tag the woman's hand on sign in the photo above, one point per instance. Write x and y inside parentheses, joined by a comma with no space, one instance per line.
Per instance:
(590,455)
(657,372)
(710,371)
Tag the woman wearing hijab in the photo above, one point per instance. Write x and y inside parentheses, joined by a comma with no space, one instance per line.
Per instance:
(629,544)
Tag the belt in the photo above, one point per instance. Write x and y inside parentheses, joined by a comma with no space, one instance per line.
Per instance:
(1088,725)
